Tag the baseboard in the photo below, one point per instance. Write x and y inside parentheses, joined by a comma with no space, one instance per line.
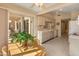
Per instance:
(49,39)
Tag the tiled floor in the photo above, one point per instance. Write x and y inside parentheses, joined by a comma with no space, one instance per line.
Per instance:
(57,47)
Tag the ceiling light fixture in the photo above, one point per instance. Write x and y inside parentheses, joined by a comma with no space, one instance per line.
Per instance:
(39,4)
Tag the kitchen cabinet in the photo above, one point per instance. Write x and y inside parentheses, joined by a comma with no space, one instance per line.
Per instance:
(45,35)
(41,21)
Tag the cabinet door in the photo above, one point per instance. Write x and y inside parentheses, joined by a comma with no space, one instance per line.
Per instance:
(41,21)
(3,28)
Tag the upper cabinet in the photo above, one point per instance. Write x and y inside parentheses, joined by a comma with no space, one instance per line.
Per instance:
(41,20)
(45,23)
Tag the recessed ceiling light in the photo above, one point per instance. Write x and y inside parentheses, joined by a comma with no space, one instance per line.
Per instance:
(60,9)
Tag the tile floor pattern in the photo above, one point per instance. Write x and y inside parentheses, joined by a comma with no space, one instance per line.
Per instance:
(57,47)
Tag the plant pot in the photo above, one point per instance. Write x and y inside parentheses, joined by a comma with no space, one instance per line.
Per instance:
(30,44)
(25,45)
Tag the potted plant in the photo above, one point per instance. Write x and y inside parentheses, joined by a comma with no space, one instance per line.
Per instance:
(23,38)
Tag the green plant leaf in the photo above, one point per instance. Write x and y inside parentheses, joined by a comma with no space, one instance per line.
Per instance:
(22,37)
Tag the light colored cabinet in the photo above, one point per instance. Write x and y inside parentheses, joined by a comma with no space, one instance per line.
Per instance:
(74,45)
(45,35)
(41,21)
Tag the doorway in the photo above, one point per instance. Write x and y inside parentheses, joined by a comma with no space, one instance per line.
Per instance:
(64,27)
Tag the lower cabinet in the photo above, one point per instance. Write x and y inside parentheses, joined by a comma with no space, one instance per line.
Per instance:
(45,35)
(74,45)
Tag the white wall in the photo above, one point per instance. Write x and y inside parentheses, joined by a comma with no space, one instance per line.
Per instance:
(3,28)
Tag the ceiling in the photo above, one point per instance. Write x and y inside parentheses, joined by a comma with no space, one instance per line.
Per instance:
(71,8)
(50,7)
(34,8)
